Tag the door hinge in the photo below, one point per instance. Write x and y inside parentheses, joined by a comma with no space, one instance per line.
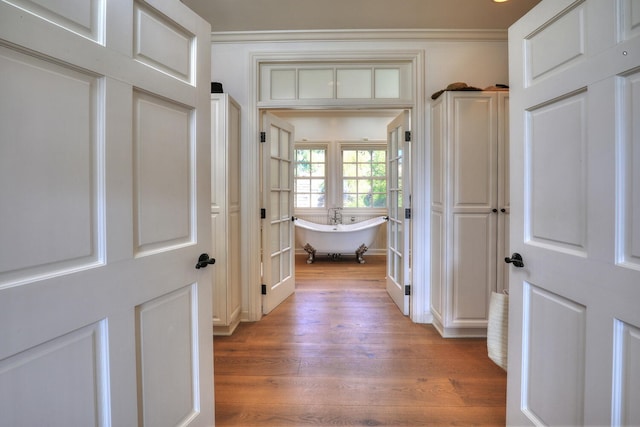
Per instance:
(407,136)
(407,213)
(263,213)
(263,289)
(263,137)
(407,289)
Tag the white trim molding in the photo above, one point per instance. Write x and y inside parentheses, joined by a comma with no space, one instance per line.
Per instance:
(357,35)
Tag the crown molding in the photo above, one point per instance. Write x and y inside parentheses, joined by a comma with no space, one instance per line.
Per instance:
(357,35)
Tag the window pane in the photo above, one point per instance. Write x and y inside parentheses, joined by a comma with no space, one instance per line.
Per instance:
(379,169)
(349,200)
(364,186)
(315,84)
(350,185)
(302,185)
(317,201)
(380,156)
(317,156)
(354,83)
(364,156)
(317,169)
(349,156)
(364,170)
(303,156)
(387,83)
(379,200)
(317,185)
(302,201)
(349,170)
(380,186)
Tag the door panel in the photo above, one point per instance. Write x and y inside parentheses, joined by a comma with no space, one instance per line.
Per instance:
(564,347)
(474,248)
(163,201)
(398,230)
(68,159)
(626,386)
(277,235)
(573,316)
(104,182)
(559,151)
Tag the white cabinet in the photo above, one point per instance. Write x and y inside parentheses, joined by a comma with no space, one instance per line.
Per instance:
(225,212)
(469,208)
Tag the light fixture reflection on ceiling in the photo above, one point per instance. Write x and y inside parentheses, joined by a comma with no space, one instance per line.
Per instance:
(500,1)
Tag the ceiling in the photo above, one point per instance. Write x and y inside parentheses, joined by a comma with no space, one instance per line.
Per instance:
(272,15)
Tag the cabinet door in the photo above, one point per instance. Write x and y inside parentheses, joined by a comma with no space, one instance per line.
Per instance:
(234,296)
(225,212)
(473,200)
(503,192)
(438,221)
(474,268)
(218,207)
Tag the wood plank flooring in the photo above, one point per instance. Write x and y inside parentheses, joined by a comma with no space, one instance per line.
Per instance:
(339,353)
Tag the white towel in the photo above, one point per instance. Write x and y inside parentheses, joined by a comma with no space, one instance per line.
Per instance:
(497,328)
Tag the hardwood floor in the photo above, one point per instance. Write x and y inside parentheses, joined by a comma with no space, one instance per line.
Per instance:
(339,353)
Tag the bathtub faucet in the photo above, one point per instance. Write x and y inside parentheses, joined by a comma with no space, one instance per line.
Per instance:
(334,216)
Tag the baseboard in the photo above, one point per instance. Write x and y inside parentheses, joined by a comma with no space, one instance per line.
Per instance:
(459,332)
(225,331)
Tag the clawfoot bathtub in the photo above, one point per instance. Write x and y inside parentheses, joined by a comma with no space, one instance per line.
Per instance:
(337,239)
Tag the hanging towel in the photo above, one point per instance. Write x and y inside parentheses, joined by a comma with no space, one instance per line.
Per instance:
(497,328)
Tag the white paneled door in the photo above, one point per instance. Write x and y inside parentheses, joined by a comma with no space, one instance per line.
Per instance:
(104,200)
(278,252)
(398,231)
(574,324)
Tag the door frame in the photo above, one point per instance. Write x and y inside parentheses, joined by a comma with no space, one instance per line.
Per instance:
(420,231)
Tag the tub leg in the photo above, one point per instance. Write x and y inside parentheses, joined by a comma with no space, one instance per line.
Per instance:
(359,252)
(312,253)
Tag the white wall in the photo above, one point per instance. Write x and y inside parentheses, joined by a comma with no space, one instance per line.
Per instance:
(478,63)
(478,58)
(339,125)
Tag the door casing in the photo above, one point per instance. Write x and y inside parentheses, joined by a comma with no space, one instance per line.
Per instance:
(420,179)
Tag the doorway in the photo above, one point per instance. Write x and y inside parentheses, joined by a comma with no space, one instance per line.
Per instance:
(361,167)
(412,97)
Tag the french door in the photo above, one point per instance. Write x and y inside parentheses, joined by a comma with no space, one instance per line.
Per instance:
(278,251)
(399,204)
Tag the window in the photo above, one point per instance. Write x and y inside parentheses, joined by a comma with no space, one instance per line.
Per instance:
(310,177)
(364,177)
(351,175)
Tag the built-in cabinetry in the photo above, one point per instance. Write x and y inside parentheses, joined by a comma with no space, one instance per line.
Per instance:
(225,212)
(469,208)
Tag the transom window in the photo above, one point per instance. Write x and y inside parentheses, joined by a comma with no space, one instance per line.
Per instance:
(364,177)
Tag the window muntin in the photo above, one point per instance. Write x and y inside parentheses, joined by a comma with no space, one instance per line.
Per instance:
(310,177)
